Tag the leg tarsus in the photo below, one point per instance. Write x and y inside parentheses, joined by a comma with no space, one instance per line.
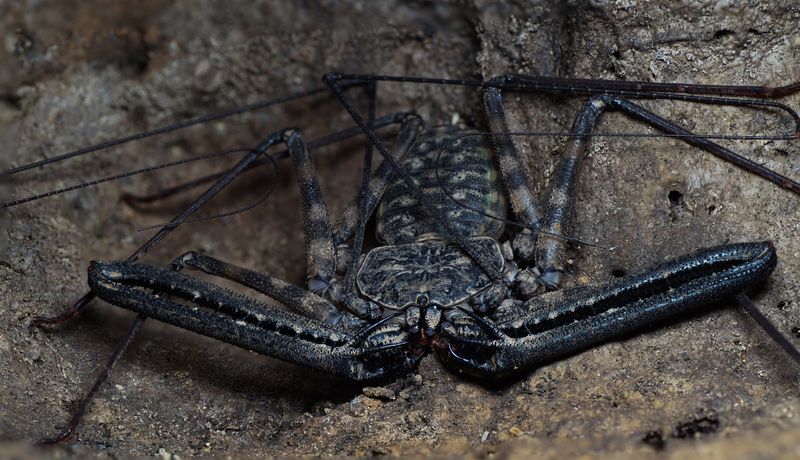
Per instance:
(768,327)
(640,113)
(74,422)
(73,311)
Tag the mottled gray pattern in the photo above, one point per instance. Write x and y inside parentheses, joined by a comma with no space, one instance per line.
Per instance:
(467,173)
(395,276)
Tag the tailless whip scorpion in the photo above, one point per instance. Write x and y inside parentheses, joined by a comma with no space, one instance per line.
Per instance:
(467,264)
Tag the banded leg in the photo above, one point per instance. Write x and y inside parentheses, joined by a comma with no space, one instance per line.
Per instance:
(319,250)
(515,175)
(539,242)
(317,234)
(551,250)
(566,322)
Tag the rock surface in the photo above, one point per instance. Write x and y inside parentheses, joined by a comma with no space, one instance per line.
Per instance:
(75,74)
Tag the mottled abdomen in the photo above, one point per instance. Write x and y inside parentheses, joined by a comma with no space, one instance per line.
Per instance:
(467,172)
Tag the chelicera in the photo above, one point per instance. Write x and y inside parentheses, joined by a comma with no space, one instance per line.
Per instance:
(450,277)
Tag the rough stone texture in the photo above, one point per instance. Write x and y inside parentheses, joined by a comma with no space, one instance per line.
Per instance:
(74,74)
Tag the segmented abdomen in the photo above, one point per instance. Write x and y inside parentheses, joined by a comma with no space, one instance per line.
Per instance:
(467,172)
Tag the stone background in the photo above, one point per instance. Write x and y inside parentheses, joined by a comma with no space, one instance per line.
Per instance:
(76,73)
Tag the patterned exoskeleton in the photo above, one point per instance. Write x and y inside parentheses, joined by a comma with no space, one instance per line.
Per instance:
(450,276)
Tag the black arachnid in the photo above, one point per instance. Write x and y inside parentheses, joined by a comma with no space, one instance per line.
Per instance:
(431,319)
(448,276)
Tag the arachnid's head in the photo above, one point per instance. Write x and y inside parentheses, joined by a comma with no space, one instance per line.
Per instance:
(430,273)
